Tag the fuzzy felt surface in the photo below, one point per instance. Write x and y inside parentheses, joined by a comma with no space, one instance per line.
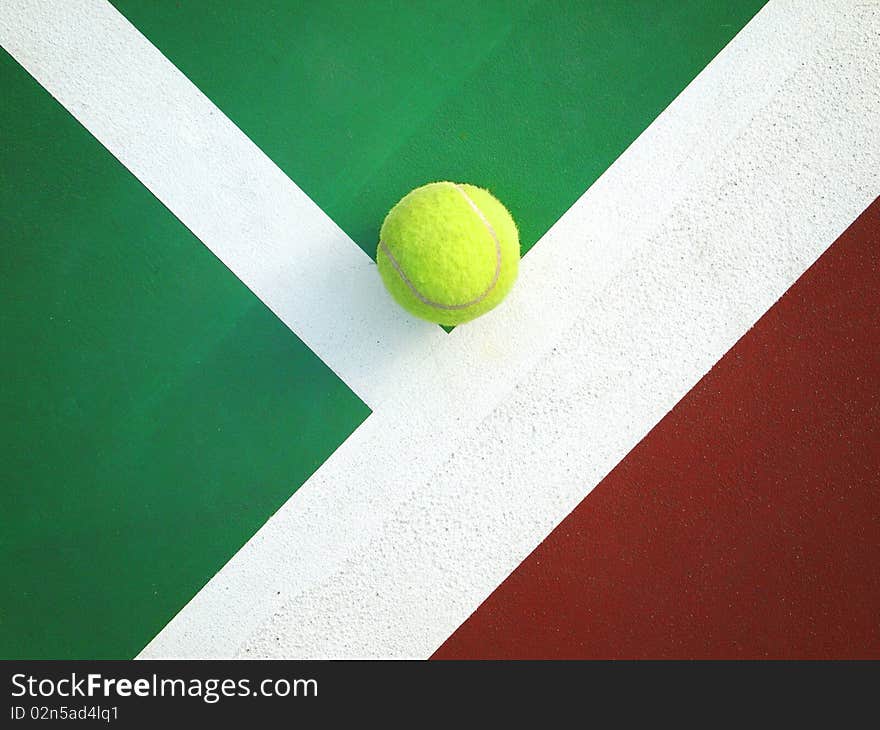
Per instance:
(448,252)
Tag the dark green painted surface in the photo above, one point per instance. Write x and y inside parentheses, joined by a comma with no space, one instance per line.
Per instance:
(155,413)
(361,101)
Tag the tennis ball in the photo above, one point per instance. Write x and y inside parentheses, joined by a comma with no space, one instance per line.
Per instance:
(448,252)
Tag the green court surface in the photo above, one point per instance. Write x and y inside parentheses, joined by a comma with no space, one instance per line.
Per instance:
(359,102)
(155,412)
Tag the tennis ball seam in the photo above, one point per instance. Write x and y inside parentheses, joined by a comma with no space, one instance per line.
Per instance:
(451,307)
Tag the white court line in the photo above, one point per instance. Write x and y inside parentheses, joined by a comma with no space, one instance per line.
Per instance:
(698,228)
(339,509)
(218,183)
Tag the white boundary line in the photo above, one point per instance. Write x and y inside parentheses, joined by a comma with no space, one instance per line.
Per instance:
(739,186)
(380,517)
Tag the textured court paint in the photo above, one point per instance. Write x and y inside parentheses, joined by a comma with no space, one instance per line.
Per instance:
(155,413)
(158,150)
(630,298)
(747,523)
(361,102)
(754,90)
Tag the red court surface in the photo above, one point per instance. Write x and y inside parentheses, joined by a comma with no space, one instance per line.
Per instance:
(747,523)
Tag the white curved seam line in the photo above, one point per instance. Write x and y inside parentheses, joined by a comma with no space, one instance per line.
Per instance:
(495,240)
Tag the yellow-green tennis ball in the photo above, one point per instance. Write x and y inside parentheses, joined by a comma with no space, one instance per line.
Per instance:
(448,252)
